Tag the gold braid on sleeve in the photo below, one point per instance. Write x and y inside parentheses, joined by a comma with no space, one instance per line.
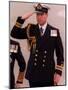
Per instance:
(31,39)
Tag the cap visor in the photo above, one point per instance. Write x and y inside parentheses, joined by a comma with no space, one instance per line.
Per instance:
(39,12)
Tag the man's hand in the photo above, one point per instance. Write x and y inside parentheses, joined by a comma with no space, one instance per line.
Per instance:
(18,85)
(26,16)
(19,79)
(56,78)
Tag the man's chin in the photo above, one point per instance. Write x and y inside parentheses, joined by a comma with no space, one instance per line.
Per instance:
(41,23)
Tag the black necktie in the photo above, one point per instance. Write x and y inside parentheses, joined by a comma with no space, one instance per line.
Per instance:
(41,31)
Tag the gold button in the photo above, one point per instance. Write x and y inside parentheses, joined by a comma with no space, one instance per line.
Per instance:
(35,64)
(44,56)
(43,60)
(35,59)
(36,50)
(43,65)
(45,52)
(36,55)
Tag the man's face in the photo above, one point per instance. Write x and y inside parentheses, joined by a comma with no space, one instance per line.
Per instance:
(41,18)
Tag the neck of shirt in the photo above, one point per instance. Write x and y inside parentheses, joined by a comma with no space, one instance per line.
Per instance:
(43,27)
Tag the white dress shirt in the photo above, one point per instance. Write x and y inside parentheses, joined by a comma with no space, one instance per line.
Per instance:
(43,27)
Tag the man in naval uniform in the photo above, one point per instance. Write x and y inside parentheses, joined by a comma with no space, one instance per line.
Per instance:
(15,53)
(43,40)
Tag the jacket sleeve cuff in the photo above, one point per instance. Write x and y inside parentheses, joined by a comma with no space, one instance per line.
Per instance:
(59,69)
(19,22)
(58,72)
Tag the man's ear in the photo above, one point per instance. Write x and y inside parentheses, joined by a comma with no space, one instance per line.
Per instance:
(47,14)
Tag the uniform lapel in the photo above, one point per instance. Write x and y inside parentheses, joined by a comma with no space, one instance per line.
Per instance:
(47,31)
(37,31)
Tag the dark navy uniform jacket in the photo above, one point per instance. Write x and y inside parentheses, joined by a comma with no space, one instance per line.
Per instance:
(41,64)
